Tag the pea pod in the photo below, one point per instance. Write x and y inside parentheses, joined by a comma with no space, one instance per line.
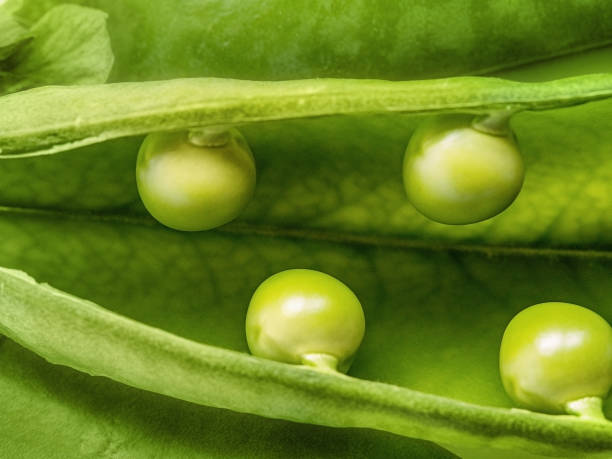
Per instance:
(588,88)
(329,198)
(101,343)
(139,108)
(406,40)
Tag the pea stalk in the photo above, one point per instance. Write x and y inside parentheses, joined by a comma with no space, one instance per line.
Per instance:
(210,136)
(495,123)
(589,408)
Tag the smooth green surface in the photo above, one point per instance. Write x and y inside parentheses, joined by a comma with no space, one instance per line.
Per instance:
(193,187)
(591,61)
(456,174)
(555,353)
(329,197)
(284,39)
(305,316)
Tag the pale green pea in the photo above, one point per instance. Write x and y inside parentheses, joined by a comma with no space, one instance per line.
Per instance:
(457,174)
(557,358)
(305,317)
(191,185)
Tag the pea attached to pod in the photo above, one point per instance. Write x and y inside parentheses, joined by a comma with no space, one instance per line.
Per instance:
(197,180)
(307,317)
(459,169)
(557,358)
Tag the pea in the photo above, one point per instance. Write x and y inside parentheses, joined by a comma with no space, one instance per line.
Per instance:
(556,358)
(195,181)
(457,174)
(302,316)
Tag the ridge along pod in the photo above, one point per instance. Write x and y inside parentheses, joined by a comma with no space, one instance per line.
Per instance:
(557,358)
(302,316)
(459,169)
(195,180)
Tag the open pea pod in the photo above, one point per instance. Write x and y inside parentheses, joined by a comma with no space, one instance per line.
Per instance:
(441,288)
(329,197)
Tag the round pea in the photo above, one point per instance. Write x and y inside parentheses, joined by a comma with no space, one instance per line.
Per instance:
(456,174)
(305,316)
(553,354)
(193,187)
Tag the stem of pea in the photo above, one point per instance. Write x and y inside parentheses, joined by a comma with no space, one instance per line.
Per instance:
(589,408)
(321,362)
(496,123)
(209,136)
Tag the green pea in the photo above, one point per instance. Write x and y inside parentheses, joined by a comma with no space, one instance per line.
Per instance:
(457,174)
(195,182)
(557,357)
(305,317)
